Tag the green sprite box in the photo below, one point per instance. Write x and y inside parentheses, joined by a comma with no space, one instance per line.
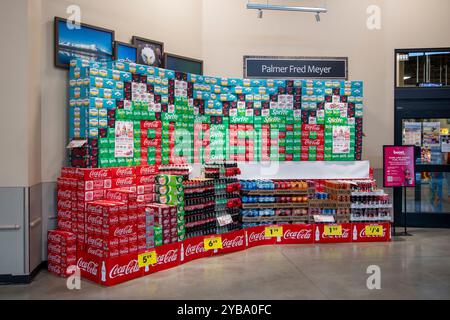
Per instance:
(273,157)
(103,163)
(112,162)
(103,143)
(166,179)
(282,157)
(282,142)
(296,157)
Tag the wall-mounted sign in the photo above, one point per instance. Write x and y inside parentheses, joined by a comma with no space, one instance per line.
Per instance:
(398,166)
(266,67)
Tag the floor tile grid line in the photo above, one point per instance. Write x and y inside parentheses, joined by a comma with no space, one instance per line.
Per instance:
(302,273)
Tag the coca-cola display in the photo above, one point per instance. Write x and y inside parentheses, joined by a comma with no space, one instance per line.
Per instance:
(62,251)
(227,196)
(161,224)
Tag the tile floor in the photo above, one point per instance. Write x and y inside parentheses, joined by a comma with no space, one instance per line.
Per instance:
(415,267)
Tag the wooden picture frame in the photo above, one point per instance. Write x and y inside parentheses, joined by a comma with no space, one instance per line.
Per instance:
(140,42)
(118,44)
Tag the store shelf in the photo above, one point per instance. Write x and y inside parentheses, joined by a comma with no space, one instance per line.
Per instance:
(368,206)
(275,205)
(369,193)
(276,192)
(275,219)
(375,219)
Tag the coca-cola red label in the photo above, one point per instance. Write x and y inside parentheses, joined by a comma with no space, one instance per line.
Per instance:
(193,248)
(146,170)
(168,256)
(94,174)
(64,194)
(358,232)
(123,182)
(255,236)
(122,172)
(231,242)
(297,233)
(64,204)
(124,231)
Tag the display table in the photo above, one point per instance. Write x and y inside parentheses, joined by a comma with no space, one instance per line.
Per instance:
(113,271)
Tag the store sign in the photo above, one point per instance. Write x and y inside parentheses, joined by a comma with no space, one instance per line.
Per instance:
(295,67)
(275,231)
(147,258)
(398,166)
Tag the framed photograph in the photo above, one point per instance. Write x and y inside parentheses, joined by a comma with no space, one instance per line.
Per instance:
(183,64)
(86,42)
(125,52)
(150,52)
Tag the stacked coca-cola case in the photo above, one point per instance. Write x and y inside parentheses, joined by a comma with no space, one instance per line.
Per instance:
(62,251)
(104,209)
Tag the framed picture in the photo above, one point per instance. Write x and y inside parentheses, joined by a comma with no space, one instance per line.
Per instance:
(183,64)
(87,42)
(125,52)
(150,52)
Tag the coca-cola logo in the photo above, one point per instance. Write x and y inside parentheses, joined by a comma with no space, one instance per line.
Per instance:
(66,204)
(123,270)
(88,266)
(311,127)
(65,225)
(124,181)
(125,231)
(147,180)
(94,209)
(98,174)
(304,234)
(115,196)
(169,256)
(233,243)
(311,142)
(95,219)
(95,251)
(195,249)
(53,257)
(257,236)
(124,172)
(54,248)
(64,193)
(95,242)
(54,237)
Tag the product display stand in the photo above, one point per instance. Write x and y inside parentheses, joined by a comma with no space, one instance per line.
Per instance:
(405,219)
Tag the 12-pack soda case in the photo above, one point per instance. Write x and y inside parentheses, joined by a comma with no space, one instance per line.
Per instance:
(225,118)
(117,270)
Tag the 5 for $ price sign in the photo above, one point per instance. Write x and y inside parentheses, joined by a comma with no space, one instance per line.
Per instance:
(146,259)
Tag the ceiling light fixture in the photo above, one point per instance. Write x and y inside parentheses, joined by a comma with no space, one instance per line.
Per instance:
(261,7)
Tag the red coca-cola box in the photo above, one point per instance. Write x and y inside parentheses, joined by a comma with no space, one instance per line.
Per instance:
(231,242)
(193,248)
(255,236)
(89,185)
(145,180)
(66,225)
(145,124)
(100,220)
(64,204)
(66,194)
(146,170)
(320,237)
(93,195)
(62,249)
(119,231)
(312,127)
(65,214)
(58,270)
(63,261)
(359,232)
(311,143)
(147,198)
(122,172)
(123,182)
(146,189)
(121,195)
(93,174)
(61,237)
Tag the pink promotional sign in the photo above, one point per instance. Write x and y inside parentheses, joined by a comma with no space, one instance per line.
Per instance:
(398,166)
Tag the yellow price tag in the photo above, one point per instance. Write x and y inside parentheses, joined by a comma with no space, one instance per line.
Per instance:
(212,243)
(271,232)
(375,230)
(444,131)
(147,258)
(333,231)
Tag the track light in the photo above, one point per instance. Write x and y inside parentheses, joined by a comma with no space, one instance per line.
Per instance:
(260,14)
(261,7)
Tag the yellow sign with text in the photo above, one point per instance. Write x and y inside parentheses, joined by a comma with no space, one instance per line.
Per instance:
(271,232)
(374,231)
(212,243)
(332,231)
(147,258)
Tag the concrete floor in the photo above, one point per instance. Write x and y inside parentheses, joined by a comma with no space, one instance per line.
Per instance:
(415,267)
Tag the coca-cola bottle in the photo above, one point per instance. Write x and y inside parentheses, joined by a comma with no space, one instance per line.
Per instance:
(182,252)
(355,233)
(103,272)
(317,234)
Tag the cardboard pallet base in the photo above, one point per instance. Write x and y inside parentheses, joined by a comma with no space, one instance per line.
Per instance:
(109,272)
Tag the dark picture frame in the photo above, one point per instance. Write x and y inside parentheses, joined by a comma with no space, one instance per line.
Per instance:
(121,46)
(106,35)
(156,50)
(167,64)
